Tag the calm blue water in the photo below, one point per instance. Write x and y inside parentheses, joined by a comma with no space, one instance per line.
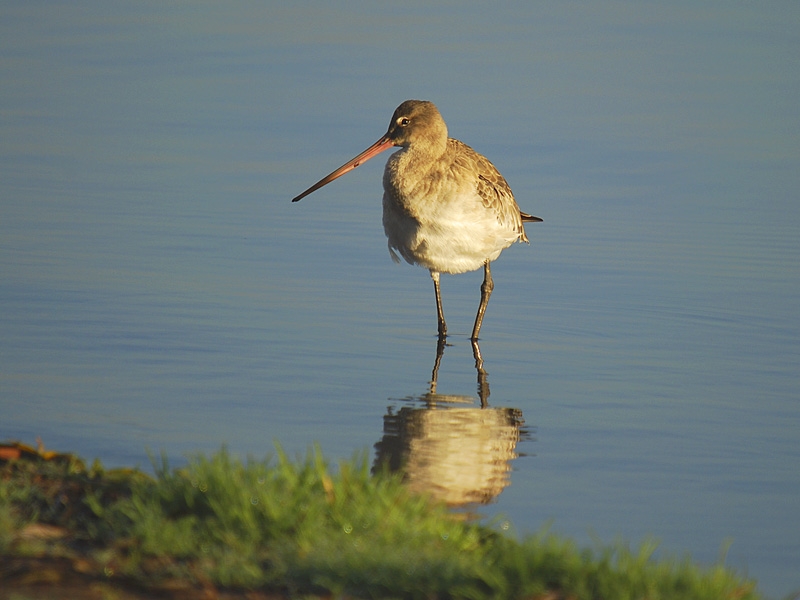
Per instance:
(158,290)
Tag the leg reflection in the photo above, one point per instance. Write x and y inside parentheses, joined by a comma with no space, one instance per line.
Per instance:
(483,378)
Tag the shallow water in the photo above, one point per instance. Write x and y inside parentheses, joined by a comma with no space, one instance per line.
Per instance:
(158,290)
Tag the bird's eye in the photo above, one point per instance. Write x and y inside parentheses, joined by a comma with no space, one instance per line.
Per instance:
(404,121)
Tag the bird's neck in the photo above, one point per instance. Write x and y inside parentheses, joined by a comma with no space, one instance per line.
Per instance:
(413,174)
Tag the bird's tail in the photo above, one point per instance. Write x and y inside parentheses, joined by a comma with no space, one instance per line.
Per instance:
(526,218)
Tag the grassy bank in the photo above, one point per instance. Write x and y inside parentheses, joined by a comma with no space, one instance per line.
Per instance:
(298,527)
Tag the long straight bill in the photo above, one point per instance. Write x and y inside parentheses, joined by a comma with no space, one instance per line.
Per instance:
(382,144)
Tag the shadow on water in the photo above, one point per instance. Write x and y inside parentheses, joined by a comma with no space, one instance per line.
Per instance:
(458,453)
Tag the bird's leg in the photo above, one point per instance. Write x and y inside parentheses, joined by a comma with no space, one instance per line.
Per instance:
(486,290)
(439,311)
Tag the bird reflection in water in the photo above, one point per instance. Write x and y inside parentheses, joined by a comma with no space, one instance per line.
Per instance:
(459,454)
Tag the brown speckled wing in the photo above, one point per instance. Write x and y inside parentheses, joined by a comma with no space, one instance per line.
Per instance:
(491,187)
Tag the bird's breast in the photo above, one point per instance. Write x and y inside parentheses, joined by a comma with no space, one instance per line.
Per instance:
(437,220)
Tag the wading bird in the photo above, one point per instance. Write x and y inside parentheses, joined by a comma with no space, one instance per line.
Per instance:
(445,207)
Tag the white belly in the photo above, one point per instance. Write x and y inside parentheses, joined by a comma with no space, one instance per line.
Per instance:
(447,235)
